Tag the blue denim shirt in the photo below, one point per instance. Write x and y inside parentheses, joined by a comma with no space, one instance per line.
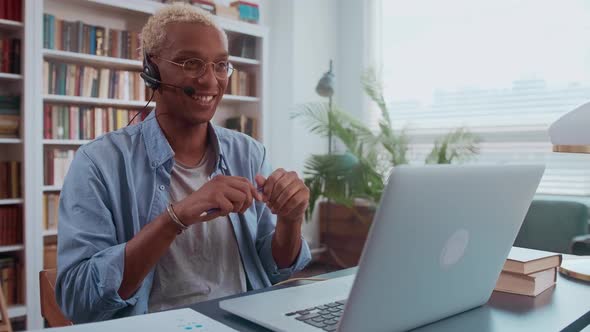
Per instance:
(119,183)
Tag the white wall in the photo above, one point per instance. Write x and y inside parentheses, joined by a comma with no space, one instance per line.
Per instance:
(303,40)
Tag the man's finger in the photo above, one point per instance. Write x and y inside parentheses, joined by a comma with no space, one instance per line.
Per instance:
(270,183)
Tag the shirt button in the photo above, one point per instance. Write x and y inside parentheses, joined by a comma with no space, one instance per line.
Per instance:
(154,163)
(162,187)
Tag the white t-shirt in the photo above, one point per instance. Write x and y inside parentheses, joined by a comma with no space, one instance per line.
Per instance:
(203,262)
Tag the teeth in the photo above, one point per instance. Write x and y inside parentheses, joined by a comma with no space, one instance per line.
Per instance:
(203,99)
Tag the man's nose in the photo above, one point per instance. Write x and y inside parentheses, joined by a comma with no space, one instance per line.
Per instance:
(208,78)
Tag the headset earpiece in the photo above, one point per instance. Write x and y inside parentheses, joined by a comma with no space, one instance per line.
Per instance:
(150,73)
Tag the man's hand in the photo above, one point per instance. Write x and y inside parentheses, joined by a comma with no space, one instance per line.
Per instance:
(224,193)
(285,194)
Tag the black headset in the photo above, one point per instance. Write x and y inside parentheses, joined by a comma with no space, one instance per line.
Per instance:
(150,73)
(151,76)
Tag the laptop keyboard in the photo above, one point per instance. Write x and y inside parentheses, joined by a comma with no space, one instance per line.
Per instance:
(324,317)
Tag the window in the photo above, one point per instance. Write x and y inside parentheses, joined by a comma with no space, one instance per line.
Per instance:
(504,69)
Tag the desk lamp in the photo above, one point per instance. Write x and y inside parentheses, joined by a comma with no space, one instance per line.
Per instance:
(571,134)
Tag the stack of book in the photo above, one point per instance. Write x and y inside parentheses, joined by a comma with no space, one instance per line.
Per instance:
(240,84)
(9,116)
(57,163)
(50,209)
(528,272)
(10,276)
(10,55)
(206,5)
(249,11)
(11,10)
(243,124)
(84,38)
(11,226)
(10,174)
(84,122)
(85,81)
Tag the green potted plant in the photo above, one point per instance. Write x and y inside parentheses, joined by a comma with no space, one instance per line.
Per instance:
(352,182)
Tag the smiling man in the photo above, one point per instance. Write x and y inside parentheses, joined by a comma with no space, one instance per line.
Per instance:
(175,210)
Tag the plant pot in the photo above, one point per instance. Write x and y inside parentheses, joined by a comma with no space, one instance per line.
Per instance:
(343,232)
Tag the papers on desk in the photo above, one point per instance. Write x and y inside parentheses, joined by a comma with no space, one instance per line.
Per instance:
(182,320)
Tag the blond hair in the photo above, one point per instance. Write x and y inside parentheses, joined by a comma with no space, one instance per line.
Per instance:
(153,34)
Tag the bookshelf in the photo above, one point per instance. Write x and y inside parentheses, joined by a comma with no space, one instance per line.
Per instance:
(17,311)
(9,76)
(90,101)
(30,147)
(65,141)
(92,60)
(11,201)
(16,247)
(10,140)
(10,25)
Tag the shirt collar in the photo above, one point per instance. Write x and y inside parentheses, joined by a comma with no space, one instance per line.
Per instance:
(159,150)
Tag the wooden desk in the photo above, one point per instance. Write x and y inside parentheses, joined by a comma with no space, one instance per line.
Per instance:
(565,307)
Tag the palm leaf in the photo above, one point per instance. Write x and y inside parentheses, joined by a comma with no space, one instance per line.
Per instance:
(458,145)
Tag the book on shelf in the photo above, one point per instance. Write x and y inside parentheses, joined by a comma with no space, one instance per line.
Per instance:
(79,37)
(242,46)
(50,256)
(11,10)
(9,116)
(531,285)
(528,261)
(84,122)
(56,164)
(11,226)
(10,279)
(50,210)
(10,180)
(240,84)
(86,81)
(227,12)
(243,124)
(249,11)
(10,55)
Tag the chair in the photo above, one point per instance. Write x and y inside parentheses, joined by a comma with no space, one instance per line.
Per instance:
(49,308)
(5,321)
(553,225)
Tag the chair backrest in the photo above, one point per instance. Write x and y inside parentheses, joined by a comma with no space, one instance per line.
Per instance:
(551,225)
(49,308)
(4,319)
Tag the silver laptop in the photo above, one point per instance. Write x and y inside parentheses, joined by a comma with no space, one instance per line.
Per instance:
(436,248)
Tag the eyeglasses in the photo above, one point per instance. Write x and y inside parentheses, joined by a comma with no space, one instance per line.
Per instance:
(195,67)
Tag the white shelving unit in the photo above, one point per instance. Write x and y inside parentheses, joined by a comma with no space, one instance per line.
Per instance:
(17,311)
(12,248)
(10,140)
(49,232)
(9,76)
(51,188)
(59,99)
(11,201)
(65,141)
(92,60)
(10,25)
(116,14)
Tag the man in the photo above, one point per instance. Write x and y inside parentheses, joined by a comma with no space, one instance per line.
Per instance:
(174,210)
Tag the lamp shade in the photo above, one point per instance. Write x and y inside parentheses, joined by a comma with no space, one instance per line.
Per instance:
(571,132)
(325,87)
